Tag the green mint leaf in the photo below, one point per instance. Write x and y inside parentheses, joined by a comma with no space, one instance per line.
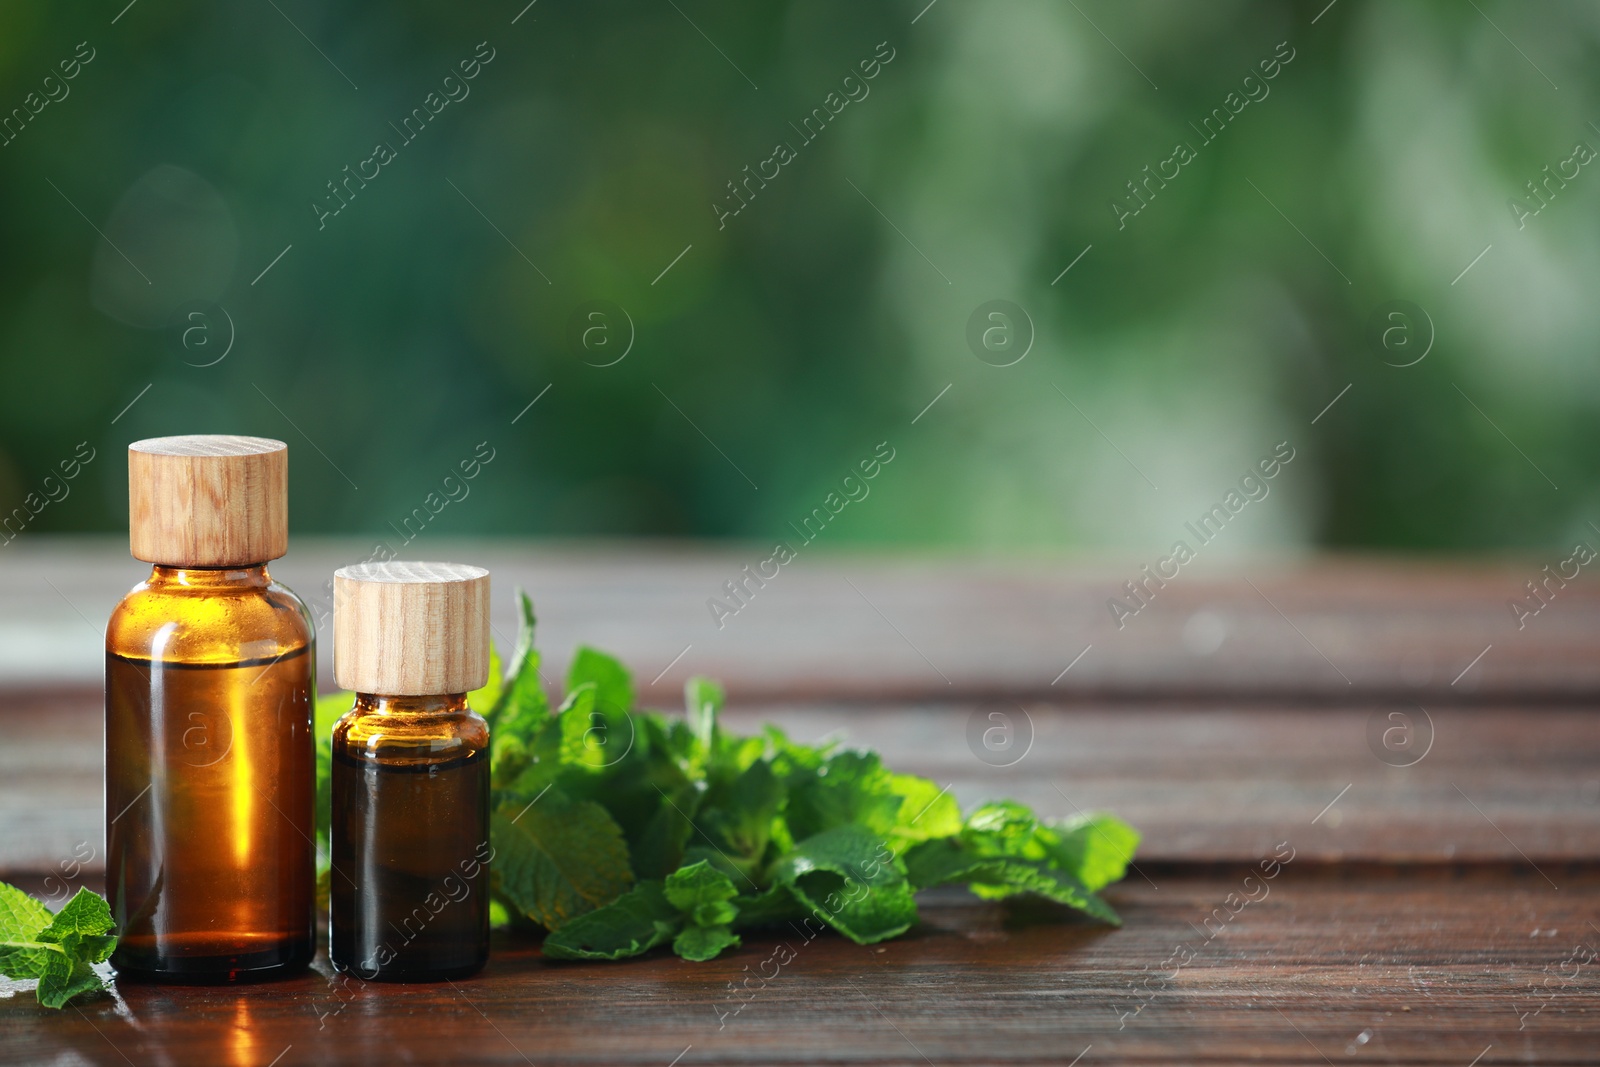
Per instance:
(649,792)
(322,807)
(702,701)
(593,738)
(483,699)
(1094,851)
(792,758)
(527,622)
(635,922)
(328,711)
(926,811)
(59,986)
(575,716)
(849,788)
(736,818)
(1004,877)
(679,741)
(768,908)
(29,959)
(704,896)
(59,949)
(613,684)
(995,876)
(522,709)
(850,879)
(87,913)
(21,916)
(82,927)
(1096,848)
(557,858)
(699,886)
(1004,828)
(700,943)
(939,862)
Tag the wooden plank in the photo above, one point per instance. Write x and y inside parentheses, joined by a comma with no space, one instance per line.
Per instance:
(1436,965)
(1202,783)
(903,626)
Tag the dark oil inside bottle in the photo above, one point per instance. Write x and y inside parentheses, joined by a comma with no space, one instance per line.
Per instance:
(209,781)
(408,893)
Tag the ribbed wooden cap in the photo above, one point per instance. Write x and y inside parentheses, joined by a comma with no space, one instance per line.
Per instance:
(208,500)
(410,629)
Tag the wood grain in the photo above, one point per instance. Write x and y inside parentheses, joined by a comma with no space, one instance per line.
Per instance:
(1202,782)
(208,500)
(405,628)
(908,627)
(1433,965)
(1438,910)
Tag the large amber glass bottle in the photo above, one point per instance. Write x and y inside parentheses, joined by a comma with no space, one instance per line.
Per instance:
(209,754)
(409,889)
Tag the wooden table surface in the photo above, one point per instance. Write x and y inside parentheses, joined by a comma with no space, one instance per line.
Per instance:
(1442,909)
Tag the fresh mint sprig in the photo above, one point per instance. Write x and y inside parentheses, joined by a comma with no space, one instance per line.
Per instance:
(619,830)
(60,949)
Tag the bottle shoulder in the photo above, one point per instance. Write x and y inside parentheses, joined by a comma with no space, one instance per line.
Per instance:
(433,737)
(185,625)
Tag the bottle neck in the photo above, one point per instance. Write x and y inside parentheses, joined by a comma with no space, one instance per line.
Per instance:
(221,579)
(377,704)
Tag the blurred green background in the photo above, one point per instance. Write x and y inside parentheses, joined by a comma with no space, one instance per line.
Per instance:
(772,352)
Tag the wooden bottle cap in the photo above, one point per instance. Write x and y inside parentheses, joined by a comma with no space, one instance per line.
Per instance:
(410,629)
(208,500)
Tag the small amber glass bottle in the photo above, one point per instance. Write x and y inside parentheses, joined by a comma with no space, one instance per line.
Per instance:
(209,755)
(409,890)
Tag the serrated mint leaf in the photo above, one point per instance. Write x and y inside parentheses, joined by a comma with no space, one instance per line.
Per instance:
(703,894)
(992,876)
(699,943)
(29,959)
(790,756)
(594,738)
(58,987)
(635,922)
(613,684)
(1004,877)
(58,949)
(21,916)
(1094,851)
(1003,828)
(91,948)
(87,913)
(1095,848)
(557,858)
(848,788)
(576,716)
(689,887)
(850,879)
